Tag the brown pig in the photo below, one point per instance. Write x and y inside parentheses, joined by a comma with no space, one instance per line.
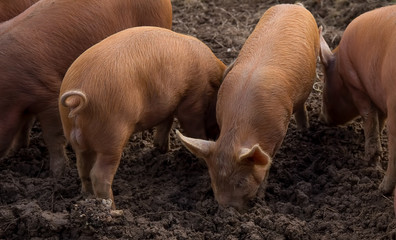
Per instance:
(269,81)
(11,8)
(36,49)
(360,80)
(134,80)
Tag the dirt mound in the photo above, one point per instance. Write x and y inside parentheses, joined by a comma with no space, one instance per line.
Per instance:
(319,185)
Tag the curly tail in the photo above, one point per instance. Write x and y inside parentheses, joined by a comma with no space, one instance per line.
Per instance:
(76,100)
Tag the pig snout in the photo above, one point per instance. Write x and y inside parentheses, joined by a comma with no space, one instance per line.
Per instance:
(228,201)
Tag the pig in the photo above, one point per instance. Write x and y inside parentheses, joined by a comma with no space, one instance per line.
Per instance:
(135,80)
(36,49)
(269,81)
(359,80)
(11,8)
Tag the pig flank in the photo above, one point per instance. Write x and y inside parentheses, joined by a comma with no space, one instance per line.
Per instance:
(269,81)
(39,45)
(134,80)
(360,81)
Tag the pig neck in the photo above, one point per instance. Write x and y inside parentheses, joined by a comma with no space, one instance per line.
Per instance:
(254,107)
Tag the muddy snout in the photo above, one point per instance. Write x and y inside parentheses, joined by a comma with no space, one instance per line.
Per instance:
(240,205)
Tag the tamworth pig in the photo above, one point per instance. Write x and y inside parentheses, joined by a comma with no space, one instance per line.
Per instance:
(269,81)
(38,46)
(135,80)
(360,79)
(11,8)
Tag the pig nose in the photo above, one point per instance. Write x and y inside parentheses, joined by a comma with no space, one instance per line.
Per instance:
(227,202)
(222,200)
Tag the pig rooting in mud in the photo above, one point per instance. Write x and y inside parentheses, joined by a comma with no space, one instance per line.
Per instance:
(269,81)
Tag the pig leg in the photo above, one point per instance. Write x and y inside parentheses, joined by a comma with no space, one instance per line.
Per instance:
(85,162)
(161,136)
(53,136)
(10,123)
(102,175)
(23,138)
(372,128)
(301,117)
(388,183)
(381,122)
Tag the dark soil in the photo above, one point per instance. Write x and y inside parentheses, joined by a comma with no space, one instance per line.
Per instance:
(319,185)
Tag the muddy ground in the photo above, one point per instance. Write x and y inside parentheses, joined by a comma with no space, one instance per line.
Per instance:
(319,186)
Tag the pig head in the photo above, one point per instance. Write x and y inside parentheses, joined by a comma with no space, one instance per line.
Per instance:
(39,45)
(269,81)
(359,81)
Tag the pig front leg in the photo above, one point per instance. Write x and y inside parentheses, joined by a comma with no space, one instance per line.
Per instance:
(372,124)
(161,136)
(53,136)
(301,117)
(388,183)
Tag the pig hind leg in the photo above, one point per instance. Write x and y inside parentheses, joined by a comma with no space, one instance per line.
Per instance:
(301,117)
(108,148)
(23,138)
(161,136)
(53,136)
(102,175)
(9,127)
(85,162)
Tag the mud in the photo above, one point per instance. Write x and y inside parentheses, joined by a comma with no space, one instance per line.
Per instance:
(319,185)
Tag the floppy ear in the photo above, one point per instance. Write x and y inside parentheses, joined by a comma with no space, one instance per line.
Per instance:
(326,56)
(255,156)
(200,148)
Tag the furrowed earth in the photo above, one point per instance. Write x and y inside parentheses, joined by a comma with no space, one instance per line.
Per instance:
(319,187)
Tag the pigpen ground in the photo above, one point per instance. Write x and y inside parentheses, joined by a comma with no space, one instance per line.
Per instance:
(319,185)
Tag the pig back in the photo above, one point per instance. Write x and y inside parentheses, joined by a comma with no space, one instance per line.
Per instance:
(11,8)
(61,30)
(285,38)
(279,57)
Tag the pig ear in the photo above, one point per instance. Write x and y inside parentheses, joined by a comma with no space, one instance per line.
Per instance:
(326,56)
(255,156)
(200,148)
